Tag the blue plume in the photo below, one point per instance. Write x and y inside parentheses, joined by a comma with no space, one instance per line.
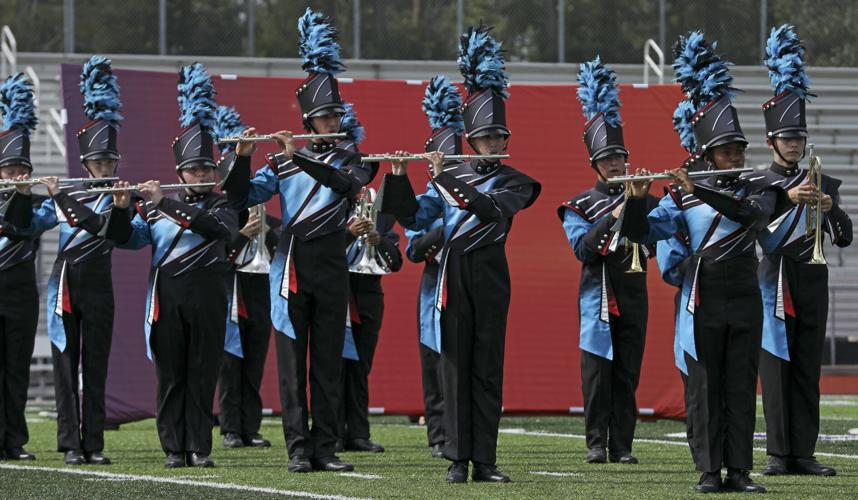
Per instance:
(685,110)
(196,97)
(442,104)
(227,124)
(17,104)
(598,92)
(100,91)
(350,125)
(785,60)
(481,61)
(317,44)
(703,74)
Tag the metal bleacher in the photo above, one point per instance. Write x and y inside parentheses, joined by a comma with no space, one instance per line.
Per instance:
(832,119)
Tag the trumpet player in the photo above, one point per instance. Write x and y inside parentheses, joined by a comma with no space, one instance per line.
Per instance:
(186,305)
(720,317)
(612,297)
(372,251)
(793,273)
(19,242)
(309,274)
(248,327)
(477,202)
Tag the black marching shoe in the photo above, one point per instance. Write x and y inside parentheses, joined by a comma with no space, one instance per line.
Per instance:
(457,472)
(709,482)
(488,473)
(364,445)
(299,463)
(96,458)
(809,466)
(438,450)
(174,460)
(256,441)
(776,466)
(628,458)
(18,453)
(332,464)
(232,440)
(197,459)
(74,457)
(596,456)
(740,480)
(339,446)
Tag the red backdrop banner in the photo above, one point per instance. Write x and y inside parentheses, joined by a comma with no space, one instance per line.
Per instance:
(542,357)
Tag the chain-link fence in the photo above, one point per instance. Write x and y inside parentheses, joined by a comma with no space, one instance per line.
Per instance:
(532,30)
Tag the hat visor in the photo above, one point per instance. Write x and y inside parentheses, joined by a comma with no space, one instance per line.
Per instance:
(190,162)
(608,151)
(327,109)
(785,134)
(101,155)
(726,139)
(17,160)
(488,130)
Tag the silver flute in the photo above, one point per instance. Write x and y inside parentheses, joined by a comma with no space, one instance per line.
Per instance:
(692,175)
(164,187)
(269,137)
(416,157)
(73,180)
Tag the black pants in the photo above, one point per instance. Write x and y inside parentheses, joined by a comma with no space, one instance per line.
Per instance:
(791,388)
(19,315)
(472,352)
(721,399)
(241,378)
(610,407)
(433,399)
(89,331)
(368,297)
(318,315)
(187,344)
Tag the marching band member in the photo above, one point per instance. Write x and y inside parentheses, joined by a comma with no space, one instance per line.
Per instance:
(309,274)
(187,298)
(372,250)
(80,290)
(442,105)
(795,292)
(19,242)
(248,327)
(721,309)
(612,302)
(477,201)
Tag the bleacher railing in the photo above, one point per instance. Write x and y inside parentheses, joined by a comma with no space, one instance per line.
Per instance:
(8,52)
(649,64)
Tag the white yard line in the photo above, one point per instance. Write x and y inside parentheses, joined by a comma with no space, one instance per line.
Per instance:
(643,440)
(110,476)
(555,474)
(359,475)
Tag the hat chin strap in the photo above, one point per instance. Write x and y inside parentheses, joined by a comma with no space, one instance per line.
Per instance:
(778,151)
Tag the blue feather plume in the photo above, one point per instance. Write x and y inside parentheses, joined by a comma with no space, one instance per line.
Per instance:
(785,60)
(17,104)
(317,44)
(442,104)
(350,125)
(100,91)
(703,74)
(598,92)
(227,124)
(682,115)
(481,61)
(196,97)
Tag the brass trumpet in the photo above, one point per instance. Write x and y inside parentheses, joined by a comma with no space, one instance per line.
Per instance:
(635,266)
(814,214)
(261,262)
(269,137)
(417,157)
(164,187)
(366,208)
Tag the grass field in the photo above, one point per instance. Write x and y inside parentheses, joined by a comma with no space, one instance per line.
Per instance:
(543,455)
